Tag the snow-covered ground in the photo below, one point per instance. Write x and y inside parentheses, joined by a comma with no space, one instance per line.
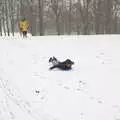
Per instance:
(30,91)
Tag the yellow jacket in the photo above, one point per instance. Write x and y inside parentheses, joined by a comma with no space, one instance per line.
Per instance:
(24,25)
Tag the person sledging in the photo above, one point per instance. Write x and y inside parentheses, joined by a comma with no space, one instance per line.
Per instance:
(65,65)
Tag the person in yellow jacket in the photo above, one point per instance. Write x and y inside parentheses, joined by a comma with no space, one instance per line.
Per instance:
(24,25)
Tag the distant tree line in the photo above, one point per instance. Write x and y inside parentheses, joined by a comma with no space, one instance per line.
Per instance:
(61,17)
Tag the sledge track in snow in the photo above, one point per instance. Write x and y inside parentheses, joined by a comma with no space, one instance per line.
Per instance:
(5,110)
(13,95)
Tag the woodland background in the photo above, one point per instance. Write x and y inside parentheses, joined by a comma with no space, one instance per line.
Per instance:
(61,17)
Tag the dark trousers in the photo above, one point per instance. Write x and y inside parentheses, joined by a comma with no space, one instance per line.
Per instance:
(24,33)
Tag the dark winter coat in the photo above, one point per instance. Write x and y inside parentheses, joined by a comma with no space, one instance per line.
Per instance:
(66,65)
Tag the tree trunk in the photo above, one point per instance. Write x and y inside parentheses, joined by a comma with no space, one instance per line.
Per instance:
(18,15)
(0,27)
(57,25)
(3,19)
(86,20)
(108,16)
(7,18)
(97,16)
(41,14)
(11,9)
(115,26)
(70,17)
(77,21)
(1,15)
(63,18)
(22,9)
(12,18)
(32,19)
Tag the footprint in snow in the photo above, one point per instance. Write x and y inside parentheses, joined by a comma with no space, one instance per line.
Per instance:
(98,101)
(12,116)
(92,98)
(81,85)
(41,93)
(60,84)
(66,87)
(43,77)
(101,53)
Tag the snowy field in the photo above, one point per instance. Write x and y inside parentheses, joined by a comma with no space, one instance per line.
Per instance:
(30,91)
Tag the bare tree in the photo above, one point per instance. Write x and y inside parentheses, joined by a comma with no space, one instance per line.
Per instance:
(98,7)
(63,17)
(1,4)
(115,17)
(41,15)
(7,18)
(70,17)
(32,18)
(108,15)
(3,19)
(86,17)
(11,4)
(56,9)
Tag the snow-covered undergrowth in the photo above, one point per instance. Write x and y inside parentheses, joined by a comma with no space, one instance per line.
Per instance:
(30,91)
